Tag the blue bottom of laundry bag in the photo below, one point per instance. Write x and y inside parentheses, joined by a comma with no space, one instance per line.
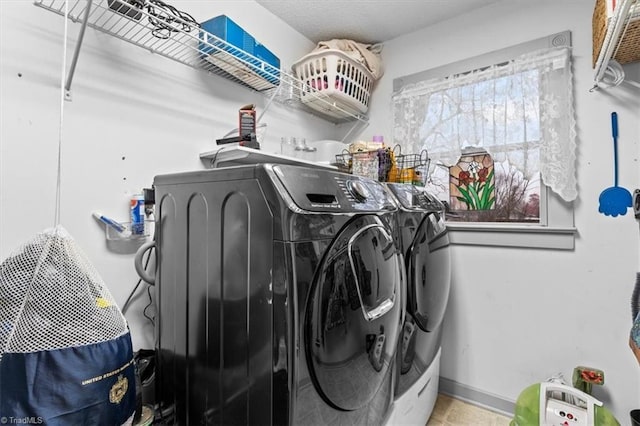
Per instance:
(83,385)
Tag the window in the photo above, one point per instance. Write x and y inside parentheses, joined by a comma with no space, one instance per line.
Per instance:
(501,140)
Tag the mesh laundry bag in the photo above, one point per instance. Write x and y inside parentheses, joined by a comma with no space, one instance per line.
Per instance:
(65,349)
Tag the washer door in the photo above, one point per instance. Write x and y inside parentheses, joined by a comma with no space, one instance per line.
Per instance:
(429,272)
(353,314)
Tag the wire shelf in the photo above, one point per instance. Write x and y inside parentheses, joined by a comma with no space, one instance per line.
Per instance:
(185,42)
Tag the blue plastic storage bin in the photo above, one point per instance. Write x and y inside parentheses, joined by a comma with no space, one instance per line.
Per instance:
(239,44)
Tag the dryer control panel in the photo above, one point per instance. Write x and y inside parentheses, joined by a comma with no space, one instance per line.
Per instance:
(329,191)
(415,198)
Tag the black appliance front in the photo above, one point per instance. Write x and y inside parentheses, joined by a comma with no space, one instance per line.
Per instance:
(425,244)
(428,272)
(350,317)
(428,266)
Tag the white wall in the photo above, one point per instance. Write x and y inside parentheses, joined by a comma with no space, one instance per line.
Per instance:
(133,115)
(538,312)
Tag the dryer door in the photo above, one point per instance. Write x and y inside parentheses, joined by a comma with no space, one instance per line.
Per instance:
(353,314)
(429,272)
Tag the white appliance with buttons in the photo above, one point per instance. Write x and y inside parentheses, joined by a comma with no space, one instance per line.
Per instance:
(563,405)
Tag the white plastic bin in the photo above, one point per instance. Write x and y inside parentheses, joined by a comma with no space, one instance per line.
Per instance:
(333,83)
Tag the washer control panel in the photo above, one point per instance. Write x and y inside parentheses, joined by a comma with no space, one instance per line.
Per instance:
(358,190)
(364,194)
(326,190)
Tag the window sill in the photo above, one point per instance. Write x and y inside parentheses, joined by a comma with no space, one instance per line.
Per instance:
(503,235)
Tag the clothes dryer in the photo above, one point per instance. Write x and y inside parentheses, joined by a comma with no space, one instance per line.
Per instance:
(278,294)
(425,245)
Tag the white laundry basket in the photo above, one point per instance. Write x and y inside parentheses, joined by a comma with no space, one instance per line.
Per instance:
(334,83)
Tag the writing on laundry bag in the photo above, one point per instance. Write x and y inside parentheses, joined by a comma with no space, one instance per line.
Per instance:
(109,374)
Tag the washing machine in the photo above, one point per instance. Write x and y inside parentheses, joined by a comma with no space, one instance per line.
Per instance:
(425,245)
(279,292)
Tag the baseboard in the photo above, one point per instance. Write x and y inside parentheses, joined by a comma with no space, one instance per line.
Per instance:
(476,397)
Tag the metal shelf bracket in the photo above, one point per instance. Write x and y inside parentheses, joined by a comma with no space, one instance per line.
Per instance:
(76,53)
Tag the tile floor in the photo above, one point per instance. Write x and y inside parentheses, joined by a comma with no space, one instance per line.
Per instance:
(454,412)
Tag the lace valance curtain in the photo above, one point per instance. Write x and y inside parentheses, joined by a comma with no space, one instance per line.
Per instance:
(521,112)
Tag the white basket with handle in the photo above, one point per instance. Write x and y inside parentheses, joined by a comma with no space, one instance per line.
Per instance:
(333,83)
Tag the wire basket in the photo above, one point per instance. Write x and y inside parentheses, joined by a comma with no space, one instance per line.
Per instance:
(371,164)
(386,165)
(343,161)
(409,168)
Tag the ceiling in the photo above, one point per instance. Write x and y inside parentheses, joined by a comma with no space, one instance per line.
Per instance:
(366,21)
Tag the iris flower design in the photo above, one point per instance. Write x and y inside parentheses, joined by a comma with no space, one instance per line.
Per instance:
(482,174)
(465,178)
(476,188)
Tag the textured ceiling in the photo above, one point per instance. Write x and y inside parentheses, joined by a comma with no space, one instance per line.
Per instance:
(366,21)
